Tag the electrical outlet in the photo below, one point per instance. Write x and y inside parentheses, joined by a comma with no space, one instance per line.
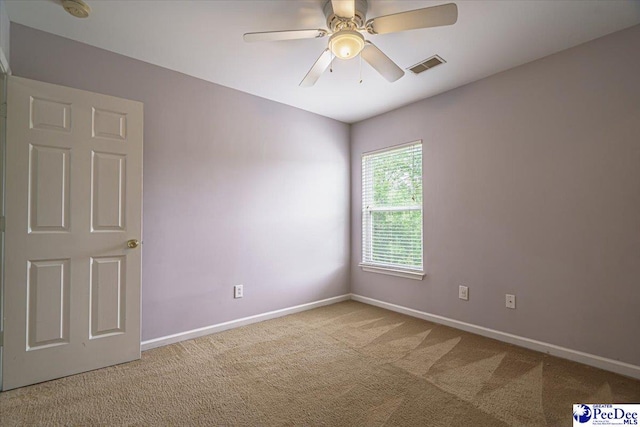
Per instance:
(238,292)
(463,293)
(510,301)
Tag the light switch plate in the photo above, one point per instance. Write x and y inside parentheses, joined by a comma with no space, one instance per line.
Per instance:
(463,292)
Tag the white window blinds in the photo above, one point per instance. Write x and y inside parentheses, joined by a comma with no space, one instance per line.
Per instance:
(392,208)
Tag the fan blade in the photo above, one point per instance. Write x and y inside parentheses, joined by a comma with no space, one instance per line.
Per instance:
(344,8)
(381,62)
(270,36)
(436,16)
(318,68)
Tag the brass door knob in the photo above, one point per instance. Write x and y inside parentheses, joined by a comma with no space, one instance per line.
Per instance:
(133,243)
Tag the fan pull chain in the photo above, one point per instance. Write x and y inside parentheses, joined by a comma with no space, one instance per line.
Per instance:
(360,55)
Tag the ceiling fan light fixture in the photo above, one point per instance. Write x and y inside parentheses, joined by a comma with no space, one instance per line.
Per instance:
(346,44)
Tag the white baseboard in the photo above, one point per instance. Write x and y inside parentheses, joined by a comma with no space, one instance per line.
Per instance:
(611,365)
(207,330)
(616,366)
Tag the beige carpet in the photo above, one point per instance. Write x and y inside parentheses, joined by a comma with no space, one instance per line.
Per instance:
(348,364)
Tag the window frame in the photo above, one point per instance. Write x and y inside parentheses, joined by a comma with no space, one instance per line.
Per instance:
(389,269)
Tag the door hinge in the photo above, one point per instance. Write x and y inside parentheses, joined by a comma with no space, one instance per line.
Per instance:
(1,338)
(1,224)
(3,110)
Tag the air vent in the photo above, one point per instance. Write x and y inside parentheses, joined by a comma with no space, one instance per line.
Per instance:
(427,64)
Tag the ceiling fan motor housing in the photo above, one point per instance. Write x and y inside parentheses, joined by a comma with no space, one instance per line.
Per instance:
(333,21)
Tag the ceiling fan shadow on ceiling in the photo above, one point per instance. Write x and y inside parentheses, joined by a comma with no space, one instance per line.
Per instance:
(346,20)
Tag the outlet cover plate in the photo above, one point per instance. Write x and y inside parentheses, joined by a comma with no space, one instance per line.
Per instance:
(463,292)
(510,301)
(238,291)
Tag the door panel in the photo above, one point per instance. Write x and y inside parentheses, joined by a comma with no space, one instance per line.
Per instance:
(108,290)
(73,200)
(49,115)
(48,189)
(108,188)
(48,302)
(109,124)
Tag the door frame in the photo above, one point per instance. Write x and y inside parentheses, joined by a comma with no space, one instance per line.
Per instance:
(5,71)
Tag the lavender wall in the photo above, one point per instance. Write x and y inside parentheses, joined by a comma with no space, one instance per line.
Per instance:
(531,187)
(237,189)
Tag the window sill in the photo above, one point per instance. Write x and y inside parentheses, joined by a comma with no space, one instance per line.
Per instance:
(407,274)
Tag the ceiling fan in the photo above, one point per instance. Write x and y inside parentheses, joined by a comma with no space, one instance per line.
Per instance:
(346,20)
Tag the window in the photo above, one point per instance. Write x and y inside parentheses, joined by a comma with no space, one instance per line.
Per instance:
(392,211)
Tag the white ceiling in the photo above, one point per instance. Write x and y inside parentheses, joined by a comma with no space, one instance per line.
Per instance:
(204,39)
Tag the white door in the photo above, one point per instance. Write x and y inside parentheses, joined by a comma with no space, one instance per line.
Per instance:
(73,201)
